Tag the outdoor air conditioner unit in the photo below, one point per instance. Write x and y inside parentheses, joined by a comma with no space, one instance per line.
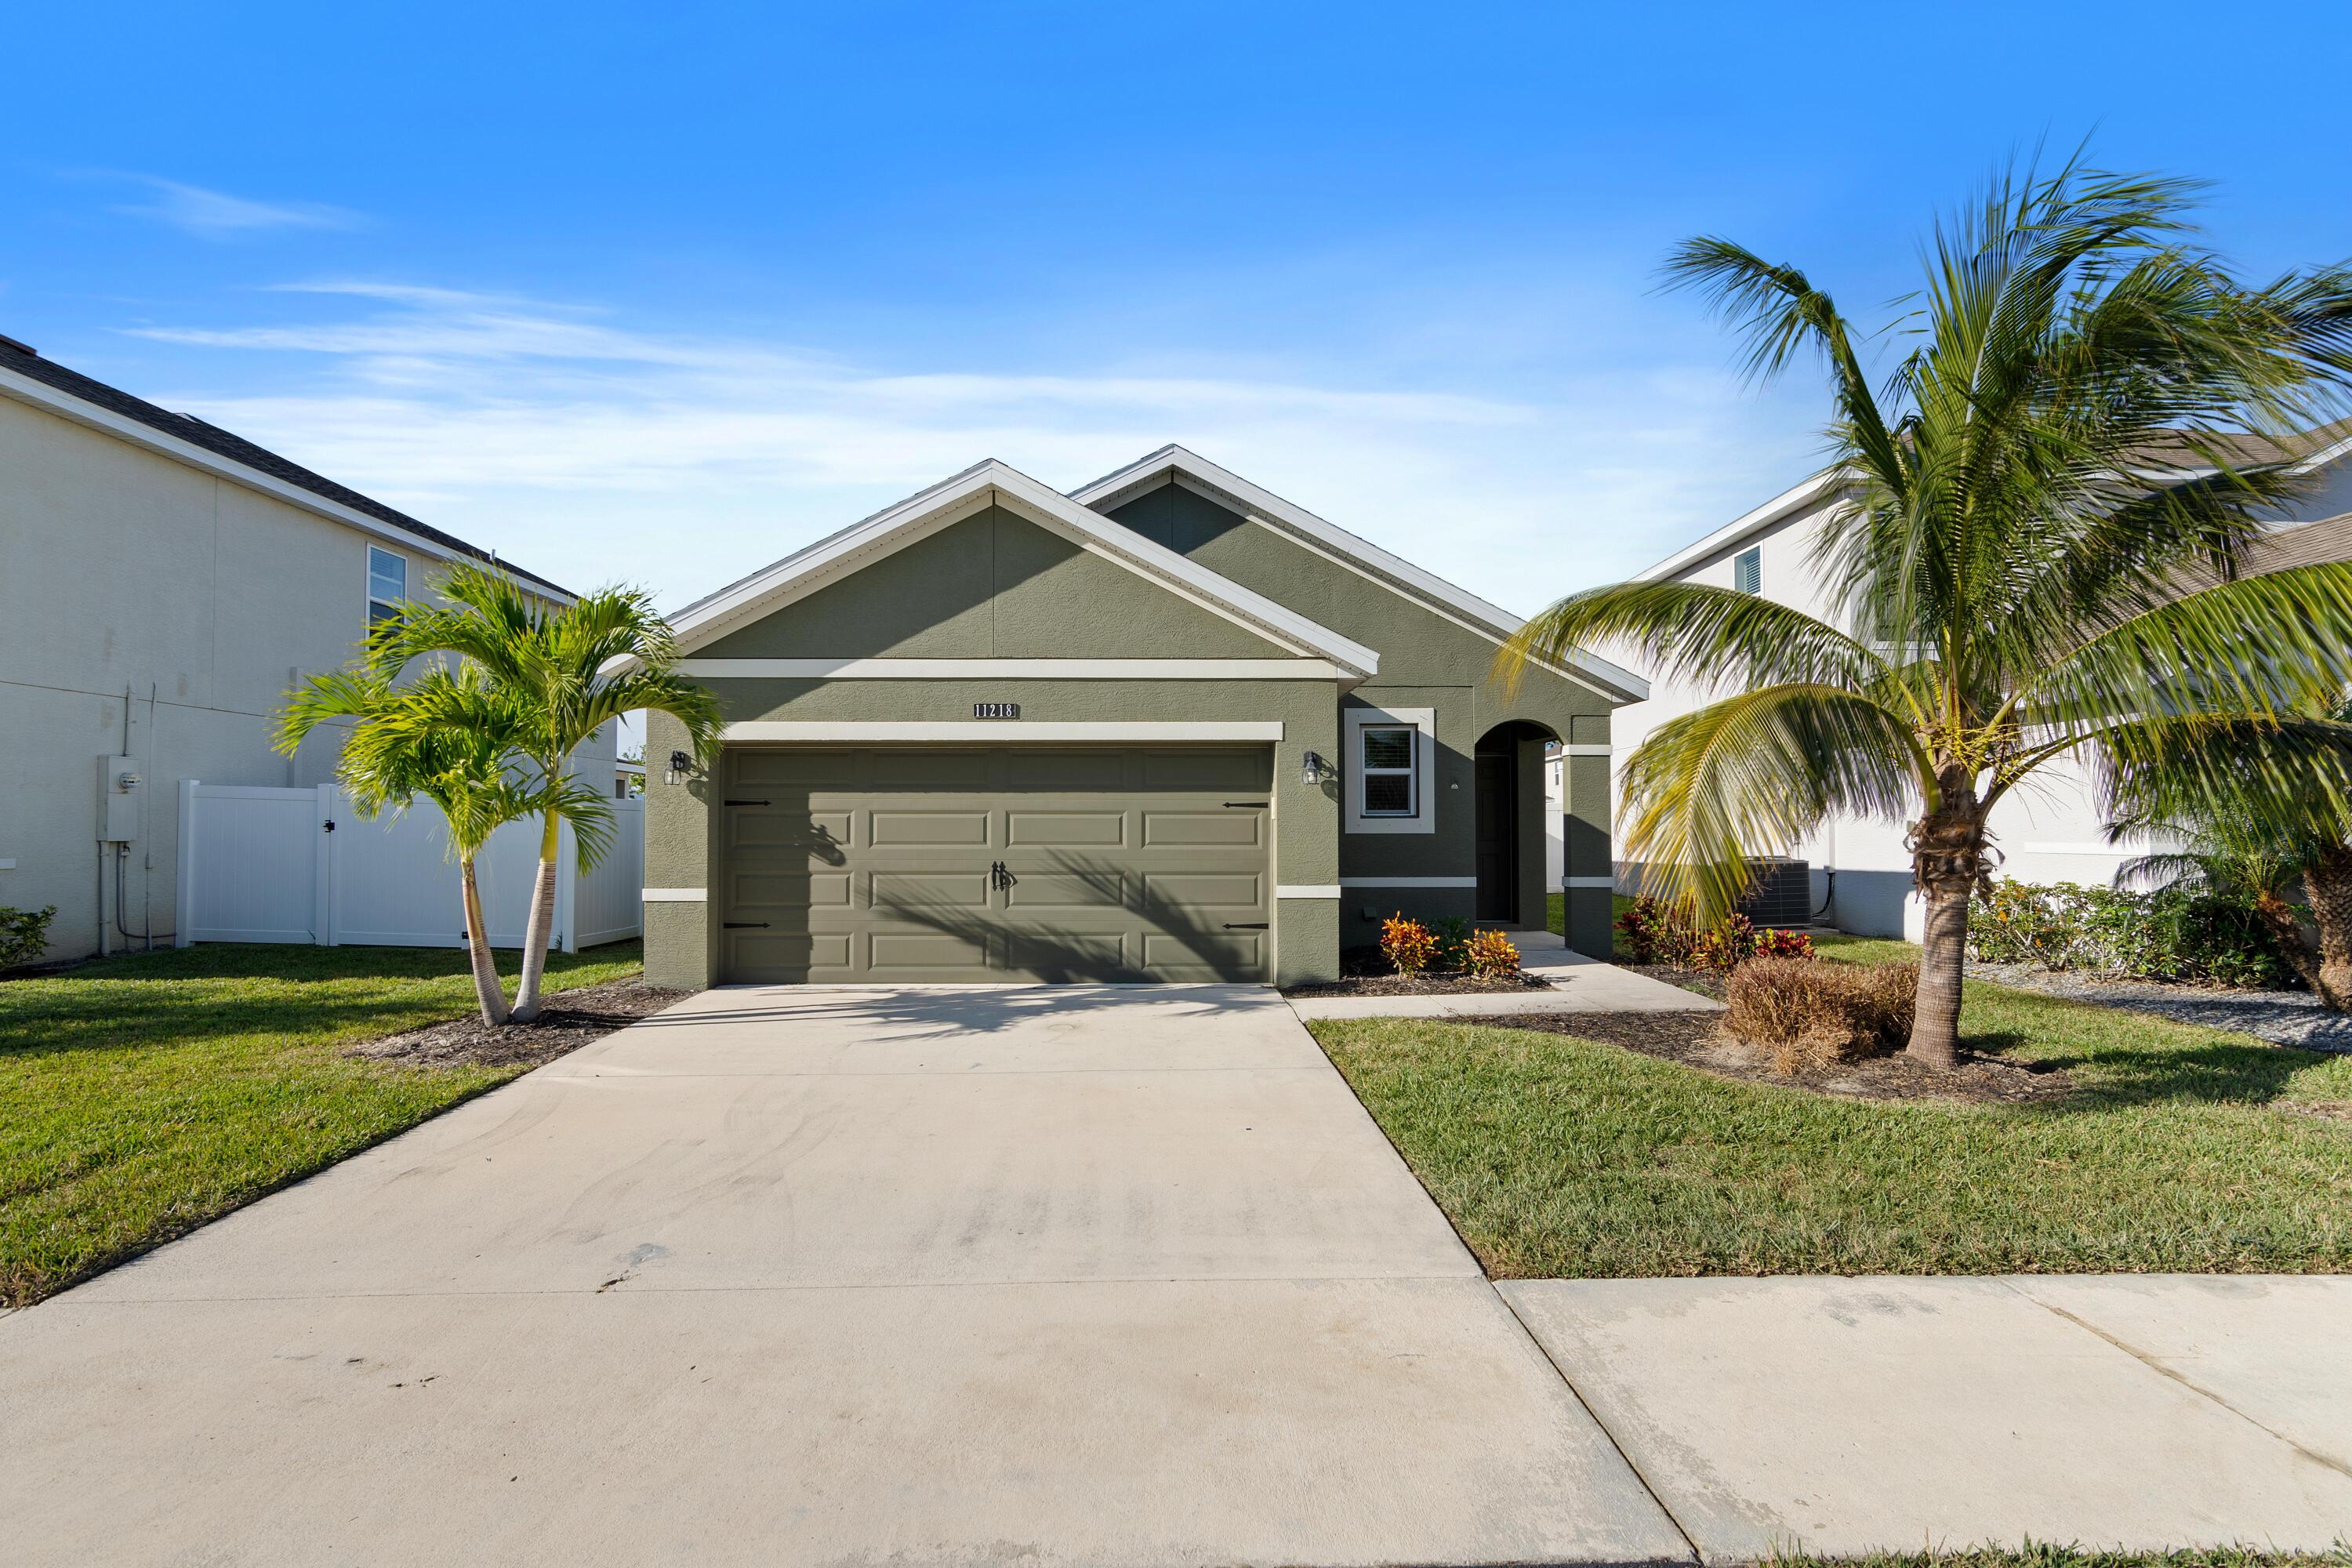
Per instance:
(1781,893)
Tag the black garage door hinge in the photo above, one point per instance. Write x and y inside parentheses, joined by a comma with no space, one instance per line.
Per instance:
(743,925)
(747,803)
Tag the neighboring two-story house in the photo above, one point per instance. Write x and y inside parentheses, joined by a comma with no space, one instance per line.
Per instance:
(163,582)
(1166,727)
(1860,869)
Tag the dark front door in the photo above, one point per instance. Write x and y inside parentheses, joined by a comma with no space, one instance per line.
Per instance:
(1499,839)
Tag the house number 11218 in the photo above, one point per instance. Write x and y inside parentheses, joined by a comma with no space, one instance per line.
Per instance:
(996,711)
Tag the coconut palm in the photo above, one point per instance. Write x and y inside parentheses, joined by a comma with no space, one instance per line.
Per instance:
(569,671)
(2258,830)
(2066,435)
(452,738)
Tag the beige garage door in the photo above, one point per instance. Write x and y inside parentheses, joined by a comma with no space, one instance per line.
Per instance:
(966,863)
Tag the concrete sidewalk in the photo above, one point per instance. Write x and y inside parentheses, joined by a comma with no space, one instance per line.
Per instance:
(1851,1415)
(1578,984)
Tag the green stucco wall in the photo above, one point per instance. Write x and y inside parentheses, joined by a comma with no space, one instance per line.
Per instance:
(1426,661)
(992,586)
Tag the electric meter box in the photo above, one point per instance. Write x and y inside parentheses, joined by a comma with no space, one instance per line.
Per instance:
(118,799)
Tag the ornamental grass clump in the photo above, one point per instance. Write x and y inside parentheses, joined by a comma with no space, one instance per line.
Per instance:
(1804,1015)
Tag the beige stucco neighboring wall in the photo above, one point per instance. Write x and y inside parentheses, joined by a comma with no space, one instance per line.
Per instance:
(124,569)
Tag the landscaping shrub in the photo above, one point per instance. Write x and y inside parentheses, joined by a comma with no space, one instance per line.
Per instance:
(24,934)
(1490,955)
(1806,1015)
(2169,934)
(1657,933)
(1409,945)
(1453,934)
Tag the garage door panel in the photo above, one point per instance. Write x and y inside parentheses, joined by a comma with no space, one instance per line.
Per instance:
(779,828)
(959,768)
(901,951)
(1064,829)
(1175,957)
(1064,773)
(758,956)
(779,896)
(1180,769)
(920,891)
(1044,892)
(1225,826)
(1122,864)
(808,768)
(891,829)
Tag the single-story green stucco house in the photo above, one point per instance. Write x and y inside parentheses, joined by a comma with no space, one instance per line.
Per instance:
(1167,727)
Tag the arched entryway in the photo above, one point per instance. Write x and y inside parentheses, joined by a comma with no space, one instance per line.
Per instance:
(1507,808)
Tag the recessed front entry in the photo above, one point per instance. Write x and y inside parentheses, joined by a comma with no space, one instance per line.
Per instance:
(972,863)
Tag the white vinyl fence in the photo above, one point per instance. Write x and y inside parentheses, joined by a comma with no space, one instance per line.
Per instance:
(299,865)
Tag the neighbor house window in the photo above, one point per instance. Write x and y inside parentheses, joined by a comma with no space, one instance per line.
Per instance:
(387,584)
(1388,771)
(1747,570)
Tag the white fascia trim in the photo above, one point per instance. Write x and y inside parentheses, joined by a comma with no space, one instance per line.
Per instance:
(674,895)
(1581,751)
(1328,890)
(994,482)
(1013,669)
(1205,478)
(65,406)
(1588,881)
(1407,881)
(1002,731)
(1788,503)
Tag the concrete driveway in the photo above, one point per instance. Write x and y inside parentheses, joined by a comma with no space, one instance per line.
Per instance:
(1054,1274)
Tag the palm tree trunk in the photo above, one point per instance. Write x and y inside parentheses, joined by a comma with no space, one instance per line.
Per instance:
(536,935)
(1946,862)
(2278,915)
(2327,883)
(487,994)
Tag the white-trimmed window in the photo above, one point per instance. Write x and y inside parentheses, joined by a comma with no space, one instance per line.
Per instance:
(1385,755)
(1391,764)
(387,584)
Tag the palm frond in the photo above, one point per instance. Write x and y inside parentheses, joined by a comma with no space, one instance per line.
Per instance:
(1688,632)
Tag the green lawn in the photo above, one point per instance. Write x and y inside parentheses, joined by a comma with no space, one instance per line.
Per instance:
(141,1097)
(1558,1157)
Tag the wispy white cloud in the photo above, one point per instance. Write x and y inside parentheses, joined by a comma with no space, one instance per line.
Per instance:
(216,214)
(590,450)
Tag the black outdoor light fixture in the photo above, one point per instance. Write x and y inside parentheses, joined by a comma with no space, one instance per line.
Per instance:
(1313,770)
(680,764)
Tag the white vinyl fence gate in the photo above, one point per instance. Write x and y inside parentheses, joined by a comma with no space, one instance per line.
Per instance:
(299,865)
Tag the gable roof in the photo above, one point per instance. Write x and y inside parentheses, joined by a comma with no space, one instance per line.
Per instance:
(28,378)
(1180,466)
(993,483)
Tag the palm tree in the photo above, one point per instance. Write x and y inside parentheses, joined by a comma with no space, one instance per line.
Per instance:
(450,737)
(2066,437)
(2257,829)
(569,671)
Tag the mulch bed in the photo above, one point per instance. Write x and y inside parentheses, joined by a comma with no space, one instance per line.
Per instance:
(1697,1040)
(1422,984)
(1712,984)
(568,1020)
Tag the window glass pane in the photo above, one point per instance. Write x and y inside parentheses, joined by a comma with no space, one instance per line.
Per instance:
(1747,570)
(380,611)
(1388,794)
(387,575)
(1388,748)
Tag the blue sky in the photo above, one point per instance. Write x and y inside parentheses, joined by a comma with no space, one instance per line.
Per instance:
(658,294)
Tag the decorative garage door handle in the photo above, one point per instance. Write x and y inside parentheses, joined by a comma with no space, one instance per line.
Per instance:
(744,925)
(747,803)
(1239,925)
(1258,804)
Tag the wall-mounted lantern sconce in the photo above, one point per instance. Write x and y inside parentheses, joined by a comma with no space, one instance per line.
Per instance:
(1313,771)
(679,765)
